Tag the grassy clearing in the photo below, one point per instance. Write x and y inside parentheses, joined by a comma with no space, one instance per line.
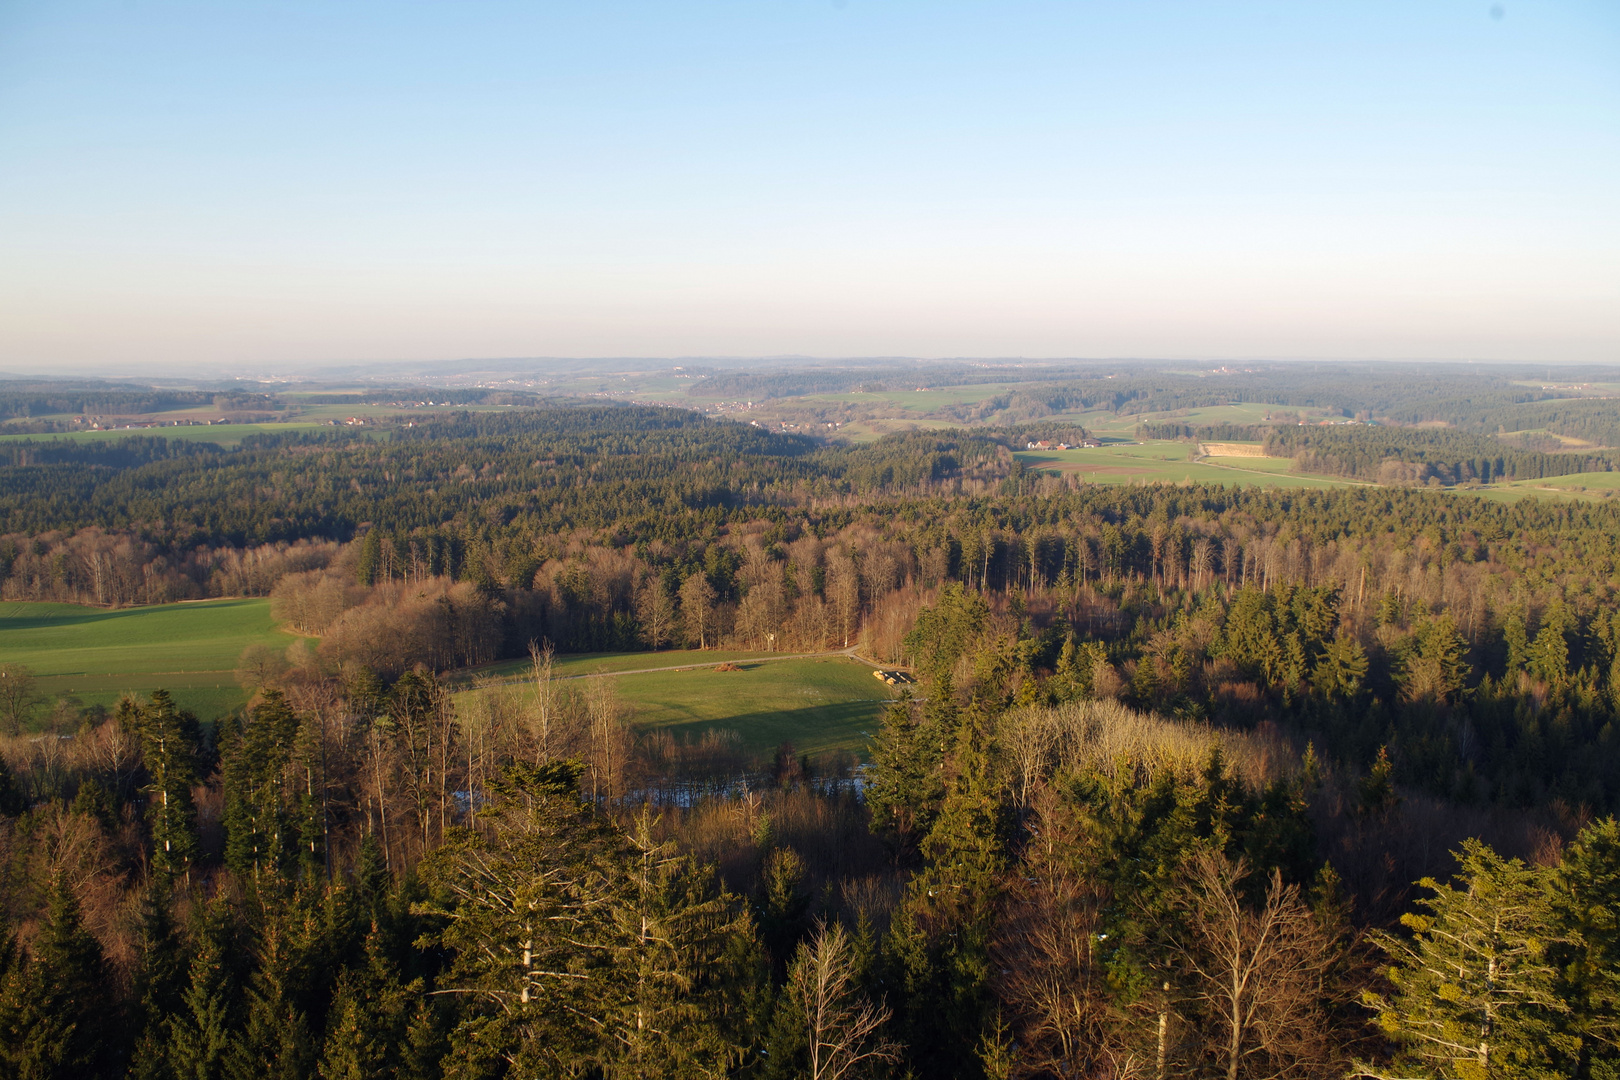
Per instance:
(1166,462)
(1273,465)
(1169,462)
(97,655)
(817,704)
(831,703)
(1595,485)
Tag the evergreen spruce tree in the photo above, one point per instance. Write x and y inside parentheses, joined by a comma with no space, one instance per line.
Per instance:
(938,951)
(1475,993)
(1516,640)
(369,566)
(11,799)
(1586,900)
(157,987)
(275,1042)
(578,948)
(905,786)
(369,1027)
(1341,670)
(261,836)
(169,740)
(200,1029)
(422,1056)
(56,1009)
(783,906)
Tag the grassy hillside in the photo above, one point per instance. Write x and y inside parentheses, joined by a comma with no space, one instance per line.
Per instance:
(98,655)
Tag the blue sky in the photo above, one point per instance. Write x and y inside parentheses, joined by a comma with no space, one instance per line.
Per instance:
(237,184)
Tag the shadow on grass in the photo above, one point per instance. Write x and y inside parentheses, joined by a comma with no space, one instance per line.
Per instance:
(847,725)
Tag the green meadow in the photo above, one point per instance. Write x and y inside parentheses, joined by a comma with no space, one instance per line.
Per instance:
(1168,462)
(1593,485)
(97,655)
(830,703)
(817,704)
(223,434)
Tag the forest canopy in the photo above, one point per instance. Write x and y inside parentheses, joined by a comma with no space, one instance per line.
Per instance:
(1192,780)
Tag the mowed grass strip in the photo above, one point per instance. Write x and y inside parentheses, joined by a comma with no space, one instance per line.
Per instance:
(97,655)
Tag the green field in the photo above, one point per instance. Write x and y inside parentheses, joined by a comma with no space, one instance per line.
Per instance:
(1165,462)
(920,401)
(1592,485)
(223,434)
(97,655)
(817,704)
(1168,462)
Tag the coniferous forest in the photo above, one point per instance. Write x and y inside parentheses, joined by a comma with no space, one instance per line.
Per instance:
(1193,781)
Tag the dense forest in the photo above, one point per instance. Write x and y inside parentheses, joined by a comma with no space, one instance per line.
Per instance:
(1387,455)
(1479,397)
(1197,781)
(1423,455)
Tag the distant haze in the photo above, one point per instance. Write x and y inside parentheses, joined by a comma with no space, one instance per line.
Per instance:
(252,187)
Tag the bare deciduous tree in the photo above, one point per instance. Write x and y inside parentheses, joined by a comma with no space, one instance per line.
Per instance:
(656,612)
(1048,955)
(844,590)
(18,696)
(843,1028)
(1256,982)
(697,607)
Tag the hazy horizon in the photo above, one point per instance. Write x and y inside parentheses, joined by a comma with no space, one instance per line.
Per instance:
(277,187)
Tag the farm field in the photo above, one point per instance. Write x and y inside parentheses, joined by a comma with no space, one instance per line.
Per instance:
(223,434)
(921,401)
(1123,425)
(98,655)
(817,704)
(1167,462)
(1599,485)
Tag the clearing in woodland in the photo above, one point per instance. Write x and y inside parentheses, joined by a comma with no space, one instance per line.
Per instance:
(816,703)
(98,654)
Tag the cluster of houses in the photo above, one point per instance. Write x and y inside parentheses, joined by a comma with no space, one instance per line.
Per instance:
(1083,444)
(98,424)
